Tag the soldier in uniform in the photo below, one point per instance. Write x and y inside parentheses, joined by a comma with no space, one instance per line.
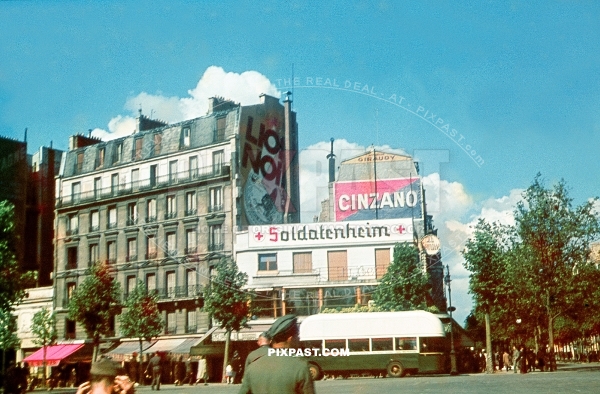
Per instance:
(107,377)
(281,374)
(263,342)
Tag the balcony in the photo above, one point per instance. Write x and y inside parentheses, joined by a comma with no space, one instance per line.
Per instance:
(191,291)
(72,231)
(170,215)
(171,253)
(191,212)
(191,250)
(94,228)
(191,329)
(165,181)
(131,258)
(215,208)
(151,255)
(151,219)
(132,221)
(111,225)
(216,247)
(170,330)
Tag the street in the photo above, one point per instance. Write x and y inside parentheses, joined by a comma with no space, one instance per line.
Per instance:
(570,378)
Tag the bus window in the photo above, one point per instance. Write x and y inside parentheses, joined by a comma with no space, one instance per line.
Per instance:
(433,345)
(335,344)
(382,344)
(312,344)
(358,345)
(409,343)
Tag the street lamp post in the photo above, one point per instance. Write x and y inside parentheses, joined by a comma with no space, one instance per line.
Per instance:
(447,280)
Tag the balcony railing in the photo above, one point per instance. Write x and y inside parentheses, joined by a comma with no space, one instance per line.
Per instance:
(215,208)
(191,291)
(72,231)
(164,181)
(112,225)
(171,330)
(171,253)
(191,250)
(151,219)
(215,247)
(170,215)
(191,212)
(94,228)
(151,255)
(131,258)
(191,329)
(131,221)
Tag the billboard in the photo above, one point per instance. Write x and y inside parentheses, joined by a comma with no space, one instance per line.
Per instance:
(383,199)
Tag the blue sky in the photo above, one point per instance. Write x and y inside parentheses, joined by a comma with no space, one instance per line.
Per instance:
(517,81)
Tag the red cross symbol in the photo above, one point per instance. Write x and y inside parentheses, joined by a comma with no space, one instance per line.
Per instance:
(259,236)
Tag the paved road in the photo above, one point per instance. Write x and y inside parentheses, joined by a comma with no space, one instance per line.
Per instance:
(572,378)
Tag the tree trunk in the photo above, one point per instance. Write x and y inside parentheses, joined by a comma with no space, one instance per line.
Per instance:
(96,346)
(141,373)
(489,363)
(44,368)
(226,355)
(551,357)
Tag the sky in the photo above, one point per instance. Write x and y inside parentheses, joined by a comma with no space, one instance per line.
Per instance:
(483,94)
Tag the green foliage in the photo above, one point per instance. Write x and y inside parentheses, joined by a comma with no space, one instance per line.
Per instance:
(95,302)
(405,285)
(225,299)
(355,309)
(43,327)
(13,282)
(141,317)
(8,333)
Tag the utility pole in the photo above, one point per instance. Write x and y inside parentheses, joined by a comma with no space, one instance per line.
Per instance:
(451,309)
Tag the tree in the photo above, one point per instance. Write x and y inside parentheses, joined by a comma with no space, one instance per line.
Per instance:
(227,302)
(405,285)
(95,302)
(43,327)
(141,318)
(8,334)
(483,255)
(13,282)
(556,236)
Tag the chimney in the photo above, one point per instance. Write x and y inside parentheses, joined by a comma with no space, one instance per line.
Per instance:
(331,158)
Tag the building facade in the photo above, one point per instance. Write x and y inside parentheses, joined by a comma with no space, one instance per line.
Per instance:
(161,206)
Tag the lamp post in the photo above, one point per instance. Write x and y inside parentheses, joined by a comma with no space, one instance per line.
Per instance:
(447,280)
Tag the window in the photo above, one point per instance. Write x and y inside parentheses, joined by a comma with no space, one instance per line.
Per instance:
(131,249)
(151,282)
(171,323)
(171,211)
(193,167)
(303,263)
(70,329)
(135,180)
(114,183)
(131,283)
(73,224)
(267,304)
(358,345)
(186,137)
(215,238)
(157,144)
(132,214)
(94,221)
(339,297)
(150,246)
(216,199)
(267,262)
(76,192)
(100,161)
(112,217)
(173,171)
(220,131)
(190,324)
(190,204)
(217,162)
(111,252)
(118,153)
(433,345)
(79,165)
(406,343)
(302,302)
(153,175)
(97,187)
(382,344)
(190,277)
(170,284)
(171,244)
(70,290)
(71,257)
(94,254)
(382,262)
(335,344)
(151,211)
(137,153)
(190,241)
(337,262)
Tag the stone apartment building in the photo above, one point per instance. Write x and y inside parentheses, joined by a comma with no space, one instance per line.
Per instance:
(162,205)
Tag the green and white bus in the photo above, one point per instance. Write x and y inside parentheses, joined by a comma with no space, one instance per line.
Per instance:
(395,343)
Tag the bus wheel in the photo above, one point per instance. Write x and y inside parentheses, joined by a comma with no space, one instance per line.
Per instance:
(395,369)
(315,371)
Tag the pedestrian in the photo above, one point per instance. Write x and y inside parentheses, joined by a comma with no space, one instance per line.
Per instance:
(279,373)
(264,342)
(106,377)
(506,360)
(236,366)
(154,367)
(202,373)
(179,372)
(524,359)
(189,372)
(134,367)
(516,359)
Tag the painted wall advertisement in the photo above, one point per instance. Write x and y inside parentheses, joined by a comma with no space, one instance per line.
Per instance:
(384,199)
(328,233)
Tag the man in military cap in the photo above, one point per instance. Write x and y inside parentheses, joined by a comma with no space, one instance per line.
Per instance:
(107,377)
(279,374)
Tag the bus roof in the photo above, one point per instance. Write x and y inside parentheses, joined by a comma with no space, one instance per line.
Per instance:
(371,325)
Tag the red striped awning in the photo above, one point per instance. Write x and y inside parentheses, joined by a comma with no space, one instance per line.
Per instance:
(54,354)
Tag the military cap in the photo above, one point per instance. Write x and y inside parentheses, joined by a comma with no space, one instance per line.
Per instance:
(265,334)
(105,367)
(283,325)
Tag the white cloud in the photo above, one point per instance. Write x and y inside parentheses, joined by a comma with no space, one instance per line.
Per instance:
(244,88)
